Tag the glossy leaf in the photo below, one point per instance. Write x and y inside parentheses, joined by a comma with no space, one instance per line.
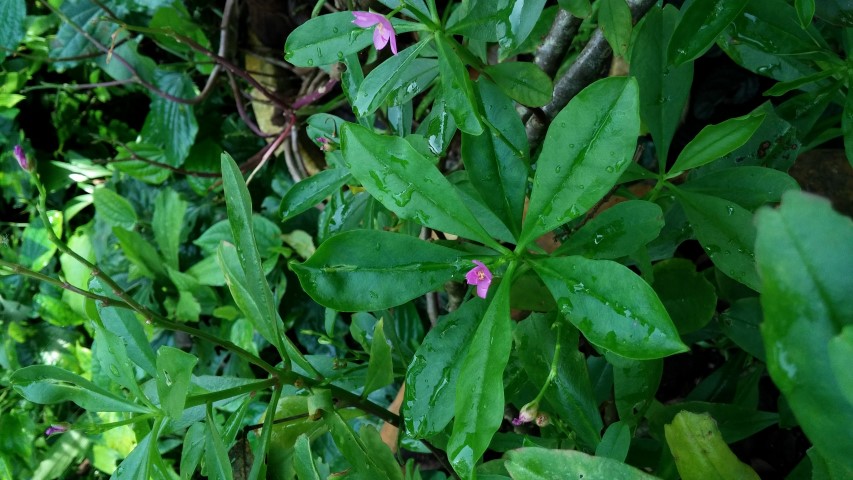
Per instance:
(663,88)
(520,24)
(168,220)
(749,187)
(385,78)
(380,368)
(368,270)
(615,442)
(588,146)
(536,463)
(305,47)
(406,183)
(456,84)
(578,8)
(495,227)
(169,124)
(699,26)
(174,372)
(690,299)
(142,255)
(614,19)
(438,127)
(805,11)
(363,462)
(725,231)
(239,205)
(114,209)
(613,307)
(480,387)
(715,141)
(432,375)
(700,452)
(47,385)
(616,232)
(12,14)
(570,393)
(497,163)
(782,88)
(311,191)
(803,256)
(524,82)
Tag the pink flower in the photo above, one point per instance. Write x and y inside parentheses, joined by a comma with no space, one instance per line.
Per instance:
(481,277)
(527,414)
(21,157)
(53,429)
(383,33)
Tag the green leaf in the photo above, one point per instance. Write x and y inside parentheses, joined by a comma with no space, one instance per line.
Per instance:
(311,191)
(456,84)
(242,292)
(634,385)
(588,146)
(614,19)
(497,163)
(239,205)
(12,15)
(521,21)
(804,259)
(167,223)
(735,422)
(369,270)
(438,127)
(326,39)
(480,387)
(700,23)
(663,88)
(725,231)
(193,448)
(364,462)
(141,254)
(477,205)
(380,452)
(141,461)
(749,187)
(570,393)
(615,442)
(480,20)
(782,88)
(387,78)
(578,8)
(124,323)
(840,358)
(406,183)
(37,250)
(380,368)
(169,124)
(303,459)
(847,126)
(715,141)
(48,385)
(700,452)
(741,323)
(524,82)
(110,352)
(613,307)
(114,209)
(174,371)
(71,43)
(536,463)
(431,378)
(215,454)
(690,299)
(805,11)
(616,232)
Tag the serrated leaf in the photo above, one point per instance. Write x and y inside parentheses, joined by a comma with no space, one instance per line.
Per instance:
(588,146)
(12,15)
(114,209)
(170,124)
(167,222)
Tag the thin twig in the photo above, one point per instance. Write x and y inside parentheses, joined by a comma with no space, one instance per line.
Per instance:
(77,86)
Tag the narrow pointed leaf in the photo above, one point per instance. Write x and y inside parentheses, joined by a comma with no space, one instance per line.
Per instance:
(47,385)
(456,84)
(715,141)
(699,26)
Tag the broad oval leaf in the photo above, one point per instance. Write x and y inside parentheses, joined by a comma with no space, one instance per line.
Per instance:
(804,259)
(726,232)
(170,124)
(615,21)
(368,270)
(700,451)
(699,26)
(326,39)
(588,146)
(616,232)
(311,191)
(535,463)
(613,307)
(480,388)
(524,82)
(715,141)
(12,15)
(114,209)
(406,183)
(432,376)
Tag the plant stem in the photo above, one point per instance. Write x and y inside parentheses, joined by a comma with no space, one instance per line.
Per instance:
(196,400)
(21,270)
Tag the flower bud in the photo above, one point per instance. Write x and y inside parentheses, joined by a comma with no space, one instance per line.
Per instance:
(527,414)
(543,419)
(21,157)
(54,429)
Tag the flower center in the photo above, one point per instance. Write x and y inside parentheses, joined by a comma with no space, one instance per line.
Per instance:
(481,276)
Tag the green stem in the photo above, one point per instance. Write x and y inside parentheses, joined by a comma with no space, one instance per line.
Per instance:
(26,272)
(552,373)
(95,428)
(196,400)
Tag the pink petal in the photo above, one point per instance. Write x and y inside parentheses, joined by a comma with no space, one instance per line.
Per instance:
(393,44)
(366,19)
(471,276)
(483,288)
(379,38)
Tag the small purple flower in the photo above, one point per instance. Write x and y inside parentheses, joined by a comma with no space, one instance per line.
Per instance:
(21,157)
(527,414)
(481,277)
(54,429)
(383,33)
